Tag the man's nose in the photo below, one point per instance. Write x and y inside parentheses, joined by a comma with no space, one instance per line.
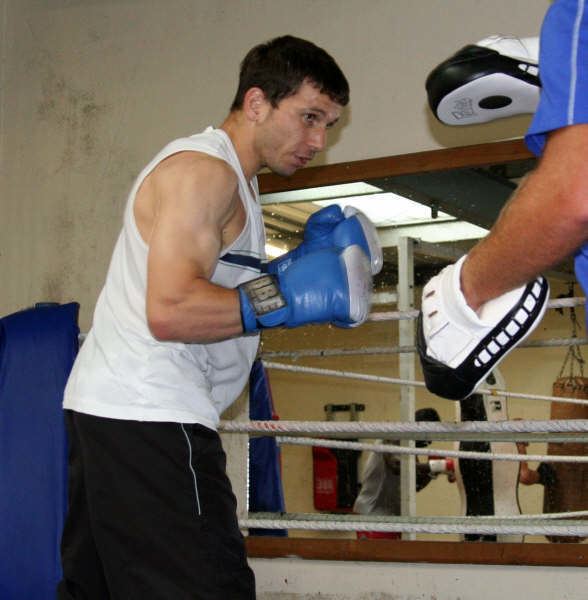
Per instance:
(318,139)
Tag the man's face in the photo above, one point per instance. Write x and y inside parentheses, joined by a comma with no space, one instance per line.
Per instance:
(296,130)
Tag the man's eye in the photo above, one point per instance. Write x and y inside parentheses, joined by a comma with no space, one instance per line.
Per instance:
(310,118)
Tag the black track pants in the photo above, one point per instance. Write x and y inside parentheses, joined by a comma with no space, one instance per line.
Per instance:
(151,514)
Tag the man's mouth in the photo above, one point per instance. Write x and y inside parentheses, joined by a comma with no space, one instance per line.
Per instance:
(303,160)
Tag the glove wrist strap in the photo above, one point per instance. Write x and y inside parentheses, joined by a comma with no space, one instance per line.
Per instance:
(262,303)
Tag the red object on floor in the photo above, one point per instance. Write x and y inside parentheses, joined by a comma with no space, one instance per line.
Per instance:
(378,535)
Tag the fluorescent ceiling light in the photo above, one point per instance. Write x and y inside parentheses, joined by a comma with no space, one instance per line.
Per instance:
(326,192)
(273,250)
(384,209)
(388,210)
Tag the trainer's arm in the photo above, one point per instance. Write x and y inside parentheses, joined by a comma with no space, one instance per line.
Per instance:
(196,199)
(527,476)
(545,221)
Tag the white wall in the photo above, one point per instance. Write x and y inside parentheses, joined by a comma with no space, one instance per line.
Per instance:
(92,89)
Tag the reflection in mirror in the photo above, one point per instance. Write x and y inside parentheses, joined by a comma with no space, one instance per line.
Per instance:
(442,209)
(450,208)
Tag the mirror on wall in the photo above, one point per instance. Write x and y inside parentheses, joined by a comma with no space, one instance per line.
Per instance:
(442,202)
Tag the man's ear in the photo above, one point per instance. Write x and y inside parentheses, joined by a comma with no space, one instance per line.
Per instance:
(255,104)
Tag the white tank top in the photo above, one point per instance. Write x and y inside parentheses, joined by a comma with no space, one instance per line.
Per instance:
(122,371)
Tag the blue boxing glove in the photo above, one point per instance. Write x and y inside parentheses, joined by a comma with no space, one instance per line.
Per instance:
(333,227)
(327,286)
(317,232)
(358,229)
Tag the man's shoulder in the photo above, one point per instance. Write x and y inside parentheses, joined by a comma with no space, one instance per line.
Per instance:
(196,164)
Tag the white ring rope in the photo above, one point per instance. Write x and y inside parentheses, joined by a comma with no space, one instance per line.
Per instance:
(376,350)
(413,314)
(399,381)
(525,526)
(397,427)
(440,525)
(535,517)
(395,449)
(431,525)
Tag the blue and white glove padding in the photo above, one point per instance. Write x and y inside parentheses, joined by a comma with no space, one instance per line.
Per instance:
(459,347)
(358,229)
(332,227)
(327,286)
(317,235)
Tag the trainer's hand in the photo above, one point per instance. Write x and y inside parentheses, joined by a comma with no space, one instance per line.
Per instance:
(442,466)
(459,347)
(332,227)
(328,286)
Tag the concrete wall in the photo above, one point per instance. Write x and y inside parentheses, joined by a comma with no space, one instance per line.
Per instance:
(90,90)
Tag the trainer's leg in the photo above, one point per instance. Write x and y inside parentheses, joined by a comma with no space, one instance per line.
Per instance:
(163,512)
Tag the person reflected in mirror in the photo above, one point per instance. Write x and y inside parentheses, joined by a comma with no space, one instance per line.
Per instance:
(544,474)
(380,479)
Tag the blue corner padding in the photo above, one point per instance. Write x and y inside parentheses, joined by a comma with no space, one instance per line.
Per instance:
(37,350)
(265,479)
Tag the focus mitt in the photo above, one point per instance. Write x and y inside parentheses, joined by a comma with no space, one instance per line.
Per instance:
(496,77)
(459,347)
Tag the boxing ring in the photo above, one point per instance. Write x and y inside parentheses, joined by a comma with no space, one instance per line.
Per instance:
(333,434)
(337,435)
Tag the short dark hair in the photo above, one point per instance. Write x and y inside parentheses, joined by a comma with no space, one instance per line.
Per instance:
(425,414)
(279,67)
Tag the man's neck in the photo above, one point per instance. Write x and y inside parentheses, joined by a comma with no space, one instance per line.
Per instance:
(240,132)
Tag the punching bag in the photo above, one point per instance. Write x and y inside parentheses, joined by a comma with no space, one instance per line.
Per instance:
(569,490)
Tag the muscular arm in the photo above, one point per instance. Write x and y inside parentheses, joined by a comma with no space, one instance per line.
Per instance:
(546,221)
(195,202)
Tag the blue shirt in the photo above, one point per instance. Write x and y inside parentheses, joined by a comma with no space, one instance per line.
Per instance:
(563,70)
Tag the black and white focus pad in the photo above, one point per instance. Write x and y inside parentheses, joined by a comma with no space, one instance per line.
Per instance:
(459,347)
(496,77)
